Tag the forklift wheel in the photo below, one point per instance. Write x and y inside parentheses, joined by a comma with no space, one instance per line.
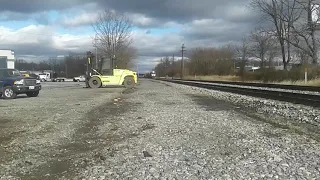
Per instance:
(95,82)
(129,82)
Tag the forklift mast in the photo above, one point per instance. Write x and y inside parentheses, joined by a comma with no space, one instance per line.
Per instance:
(89,71)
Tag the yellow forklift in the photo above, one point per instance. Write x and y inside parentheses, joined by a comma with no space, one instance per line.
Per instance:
(109,77)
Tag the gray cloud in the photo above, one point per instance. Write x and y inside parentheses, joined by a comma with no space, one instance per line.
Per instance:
(202,23)
(31,6)
(181,11)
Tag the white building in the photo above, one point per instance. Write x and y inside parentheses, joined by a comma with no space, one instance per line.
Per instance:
(7,59)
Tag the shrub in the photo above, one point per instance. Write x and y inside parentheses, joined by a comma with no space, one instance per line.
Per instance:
(272,75)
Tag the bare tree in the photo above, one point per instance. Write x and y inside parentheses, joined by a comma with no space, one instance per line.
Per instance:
(304,29)
(125,58)
(262,43)
(113,33)
(272,53)
(282,14)
(242,51)
(301,57)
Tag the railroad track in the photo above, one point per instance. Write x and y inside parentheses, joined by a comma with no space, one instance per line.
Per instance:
(292,97)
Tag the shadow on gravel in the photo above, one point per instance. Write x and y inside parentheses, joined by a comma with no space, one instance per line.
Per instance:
(212,104)
(18,97)
(161,82)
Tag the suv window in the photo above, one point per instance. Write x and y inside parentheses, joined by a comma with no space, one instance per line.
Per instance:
(9,72)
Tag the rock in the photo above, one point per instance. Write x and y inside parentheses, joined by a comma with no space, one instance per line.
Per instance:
(146,154)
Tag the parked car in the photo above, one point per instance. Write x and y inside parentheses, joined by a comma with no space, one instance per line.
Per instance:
(79,79)
(13,83)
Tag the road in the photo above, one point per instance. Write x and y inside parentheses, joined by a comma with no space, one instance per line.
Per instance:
(156,131)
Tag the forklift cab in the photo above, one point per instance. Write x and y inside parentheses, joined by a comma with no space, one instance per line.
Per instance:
(107,66)
(108,75)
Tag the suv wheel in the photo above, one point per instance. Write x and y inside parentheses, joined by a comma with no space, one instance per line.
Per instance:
(33,94)
(8,93)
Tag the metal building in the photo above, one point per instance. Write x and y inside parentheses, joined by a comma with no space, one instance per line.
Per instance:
(7,59)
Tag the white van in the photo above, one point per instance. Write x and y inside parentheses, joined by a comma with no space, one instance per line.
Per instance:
(44,76)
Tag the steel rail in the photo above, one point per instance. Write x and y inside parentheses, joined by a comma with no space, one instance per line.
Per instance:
(296,98)
(266,85)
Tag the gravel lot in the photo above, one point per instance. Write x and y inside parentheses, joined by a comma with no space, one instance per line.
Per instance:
(157,131)
(37,134)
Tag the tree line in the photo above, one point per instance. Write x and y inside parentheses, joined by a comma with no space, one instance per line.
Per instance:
(70,66)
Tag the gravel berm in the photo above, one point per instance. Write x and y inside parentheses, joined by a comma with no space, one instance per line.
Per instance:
(174,132)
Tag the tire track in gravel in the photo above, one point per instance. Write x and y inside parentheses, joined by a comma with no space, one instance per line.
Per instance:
(86,142)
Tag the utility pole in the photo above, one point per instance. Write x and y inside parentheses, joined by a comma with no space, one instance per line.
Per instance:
(172,67)
(66,66)
(95,45)
(138,69)
(96,58)
(182,63)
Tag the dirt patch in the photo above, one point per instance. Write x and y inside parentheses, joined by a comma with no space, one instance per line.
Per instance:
(47,140)
(211,104)
(168,103)
(4,122)
(86,141)
(128,91)
(270,134)
(147,127)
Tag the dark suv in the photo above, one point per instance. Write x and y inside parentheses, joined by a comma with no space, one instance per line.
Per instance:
(12,83)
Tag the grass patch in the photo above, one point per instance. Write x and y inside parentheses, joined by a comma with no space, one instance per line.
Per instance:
(313,82)
(213,78)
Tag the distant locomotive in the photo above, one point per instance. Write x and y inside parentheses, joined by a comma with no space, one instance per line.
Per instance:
(153,74)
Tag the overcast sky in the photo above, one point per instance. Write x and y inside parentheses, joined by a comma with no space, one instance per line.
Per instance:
(39,29)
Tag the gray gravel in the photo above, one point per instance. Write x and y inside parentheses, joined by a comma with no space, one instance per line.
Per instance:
(158,131)
(186,135)
(35,132)
(294,113)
